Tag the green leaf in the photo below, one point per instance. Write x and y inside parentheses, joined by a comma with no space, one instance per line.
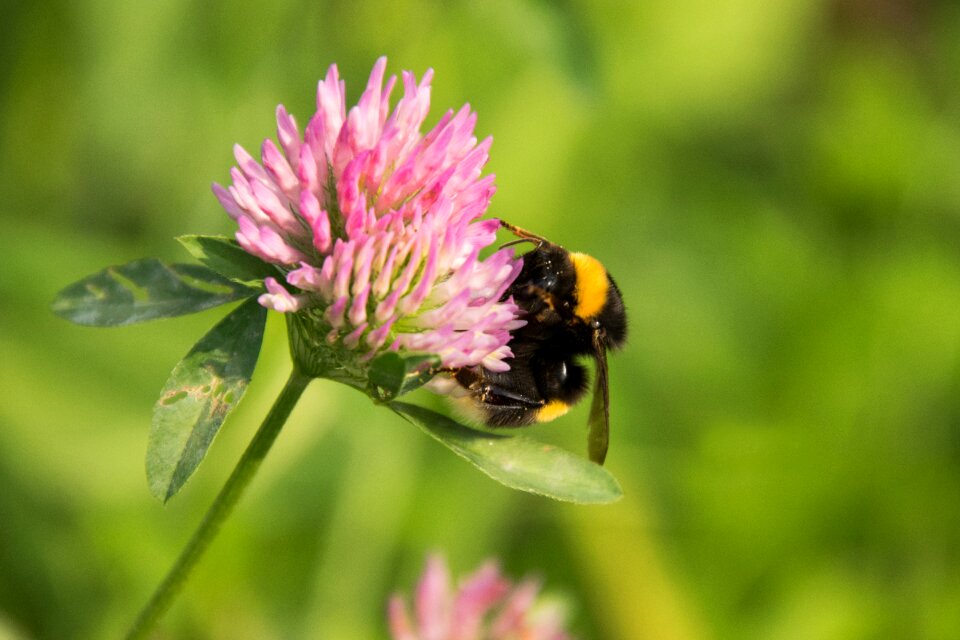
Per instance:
(202,389)
(144,290)
(519,462)
(392,375)
(227,258)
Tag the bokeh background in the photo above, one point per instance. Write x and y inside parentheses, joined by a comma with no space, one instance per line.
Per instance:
(775,185)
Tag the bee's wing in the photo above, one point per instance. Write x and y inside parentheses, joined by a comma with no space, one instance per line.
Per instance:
(599,421)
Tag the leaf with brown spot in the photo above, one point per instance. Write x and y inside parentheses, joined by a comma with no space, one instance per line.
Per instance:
(201,391)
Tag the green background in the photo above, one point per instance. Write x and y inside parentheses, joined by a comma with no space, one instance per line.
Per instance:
(775,186)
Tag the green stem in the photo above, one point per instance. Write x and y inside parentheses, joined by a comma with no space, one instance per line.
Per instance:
(222,507)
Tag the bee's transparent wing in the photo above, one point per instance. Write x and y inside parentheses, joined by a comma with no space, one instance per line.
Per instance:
(599,422)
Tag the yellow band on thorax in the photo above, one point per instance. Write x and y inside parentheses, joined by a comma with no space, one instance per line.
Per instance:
(592,285)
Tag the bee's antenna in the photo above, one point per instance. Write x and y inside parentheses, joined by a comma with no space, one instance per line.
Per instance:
(520,241)
(522,236)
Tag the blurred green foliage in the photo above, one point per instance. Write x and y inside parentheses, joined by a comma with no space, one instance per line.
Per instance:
(775,186)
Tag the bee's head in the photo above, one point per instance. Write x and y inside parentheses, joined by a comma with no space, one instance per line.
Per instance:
(598,300)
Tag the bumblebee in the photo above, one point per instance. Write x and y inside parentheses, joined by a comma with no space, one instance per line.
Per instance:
(573,308)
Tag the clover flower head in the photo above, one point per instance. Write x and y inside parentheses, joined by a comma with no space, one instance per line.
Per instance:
(485,606)
(374,226)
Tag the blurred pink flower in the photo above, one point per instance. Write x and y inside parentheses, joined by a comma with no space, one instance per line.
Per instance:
(486,606)
(374,226)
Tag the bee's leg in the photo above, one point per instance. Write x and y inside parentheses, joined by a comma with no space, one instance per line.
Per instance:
(489,393)
(502,407)
(468,377)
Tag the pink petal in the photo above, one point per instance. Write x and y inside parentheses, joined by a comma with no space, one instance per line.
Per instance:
(476,597)
(399,620)
(334,313)
(352,339)
(433,600)
(288,135)
(278,298)
(279,169)
(358,309)
(515,609)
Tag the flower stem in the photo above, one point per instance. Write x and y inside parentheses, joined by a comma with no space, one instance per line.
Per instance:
(222,507)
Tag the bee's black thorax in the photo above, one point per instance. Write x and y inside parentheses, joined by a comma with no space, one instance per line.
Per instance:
(568,293)
(544,287)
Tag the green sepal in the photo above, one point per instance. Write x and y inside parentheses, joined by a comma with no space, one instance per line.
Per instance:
(226,257)
(201,391)
(392,375)
(143,290)
(519,462)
